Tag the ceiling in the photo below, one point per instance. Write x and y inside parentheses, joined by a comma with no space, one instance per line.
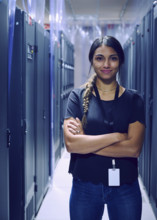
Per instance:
(87,12)
(106,11)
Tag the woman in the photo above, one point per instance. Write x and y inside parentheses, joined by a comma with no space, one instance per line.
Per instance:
(104,132)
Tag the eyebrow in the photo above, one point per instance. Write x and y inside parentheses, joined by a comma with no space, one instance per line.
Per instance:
(103,55)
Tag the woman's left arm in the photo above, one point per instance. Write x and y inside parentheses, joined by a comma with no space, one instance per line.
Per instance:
(127,148)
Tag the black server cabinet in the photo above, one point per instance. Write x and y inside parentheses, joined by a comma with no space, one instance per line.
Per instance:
(140,81)
(125,68)
(42,114)
(15,119)
(142,86)
(148,96)
(144,78)
(145,84)
(63,82)
(4,151)
(57,78)
(39,122)
(138,59)
(28,113)
(67,73)
(21,120)
(134,59)
(153,179)
(46,112)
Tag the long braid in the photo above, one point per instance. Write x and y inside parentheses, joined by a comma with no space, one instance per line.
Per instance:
(86,98)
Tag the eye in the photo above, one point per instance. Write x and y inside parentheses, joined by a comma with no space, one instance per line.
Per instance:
(114,58)
(99,58)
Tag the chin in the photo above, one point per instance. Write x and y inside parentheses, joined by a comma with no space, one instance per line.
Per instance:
(108,78)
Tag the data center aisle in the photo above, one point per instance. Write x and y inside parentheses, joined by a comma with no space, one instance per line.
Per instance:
(55,205)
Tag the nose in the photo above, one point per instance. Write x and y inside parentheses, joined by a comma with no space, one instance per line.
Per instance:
(106,63)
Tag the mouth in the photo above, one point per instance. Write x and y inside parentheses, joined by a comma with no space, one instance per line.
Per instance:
(106,71)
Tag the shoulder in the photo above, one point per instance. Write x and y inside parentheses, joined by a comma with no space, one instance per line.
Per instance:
(135,97)
(134,93)
(76,93)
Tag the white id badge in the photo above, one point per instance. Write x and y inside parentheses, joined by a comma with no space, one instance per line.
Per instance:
(114,177)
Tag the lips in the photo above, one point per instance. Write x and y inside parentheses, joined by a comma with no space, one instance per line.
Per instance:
(106,71)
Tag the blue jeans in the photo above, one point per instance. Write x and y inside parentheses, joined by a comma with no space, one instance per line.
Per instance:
(87,201)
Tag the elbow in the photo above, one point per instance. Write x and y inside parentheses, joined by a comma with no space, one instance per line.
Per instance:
(135,153)
(68,143)
(69,146)
(74,147)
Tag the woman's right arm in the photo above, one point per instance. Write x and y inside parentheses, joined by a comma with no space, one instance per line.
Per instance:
(84,144)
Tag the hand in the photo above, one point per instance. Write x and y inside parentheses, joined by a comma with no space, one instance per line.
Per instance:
(75,126)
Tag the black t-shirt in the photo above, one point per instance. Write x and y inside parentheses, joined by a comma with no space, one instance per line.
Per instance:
(128,108)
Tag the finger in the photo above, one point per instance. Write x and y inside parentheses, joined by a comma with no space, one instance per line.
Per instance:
(73,122)
(78,120)
(72,131)
(72,126)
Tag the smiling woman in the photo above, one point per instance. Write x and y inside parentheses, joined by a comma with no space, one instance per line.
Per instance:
(104,131)
(106,63)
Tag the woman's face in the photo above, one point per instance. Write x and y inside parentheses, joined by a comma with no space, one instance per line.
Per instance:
(106,63)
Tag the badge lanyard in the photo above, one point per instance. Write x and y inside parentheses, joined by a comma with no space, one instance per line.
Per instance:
(114,173)
(108,123)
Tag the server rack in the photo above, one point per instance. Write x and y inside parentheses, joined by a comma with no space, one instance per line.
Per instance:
(148,96)
(140,78)
(57,78)
(125,71)
(67,70)
(143,78)
(63,65)
(42,128)
(144,73)
(4,150)
(29,118)
(15,115)
(21,120)
(138,61)
(134,47)
(153,178)
(46,111)
(142,86)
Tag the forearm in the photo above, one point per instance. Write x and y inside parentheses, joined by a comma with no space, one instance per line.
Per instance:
(130,147)
(124,148)
(84,144)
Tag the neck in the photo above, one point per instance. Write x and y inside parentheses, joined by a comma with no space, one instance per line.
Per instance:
(106,87)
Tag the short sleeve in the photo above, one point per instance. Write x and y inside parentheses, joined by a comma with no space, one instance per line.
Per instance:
(138,109)
(73,108)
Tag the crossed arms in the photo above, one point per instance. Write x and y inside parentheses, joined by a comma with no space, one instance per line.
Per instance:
(111,145)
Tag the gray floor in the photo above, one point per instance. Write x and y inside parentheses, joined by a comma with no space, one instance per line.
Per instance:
(56,203)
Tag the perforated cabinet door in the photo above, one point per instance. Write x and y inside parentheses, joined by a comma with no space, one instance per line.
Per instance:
(153,179)
(16,157)
(4,151)
(46,113)
(29,113)
(148,95)
(39,117)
